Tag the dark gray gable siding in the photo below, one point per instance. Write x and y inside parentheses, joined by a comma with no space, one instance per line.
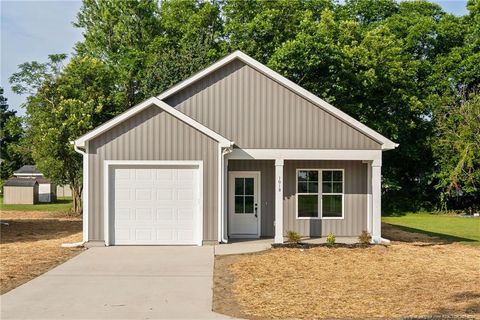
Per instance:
(255,111)
(153,135)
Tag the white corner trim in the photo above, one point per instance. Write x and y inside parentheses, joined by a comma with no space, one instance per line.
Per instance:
(107,164)
(305,154)
(386,143)
(224,142)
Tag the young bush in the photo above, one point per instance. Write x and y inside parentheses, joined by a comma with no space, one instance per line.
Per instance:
(331,238)
(293,237)
(364,238)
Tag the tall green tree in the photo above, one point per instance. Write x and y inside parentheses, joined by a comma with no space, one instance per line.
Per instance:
(118,33)
(13,151)
(66,103)
(457,150)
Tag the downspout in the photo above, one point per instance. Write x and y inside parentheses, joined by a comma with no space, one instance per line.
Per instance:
(223,153)
(77,244)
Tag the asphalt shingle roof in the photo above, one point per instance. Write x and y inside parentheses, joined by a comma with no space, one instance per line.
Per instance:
(20,182)
(28,169)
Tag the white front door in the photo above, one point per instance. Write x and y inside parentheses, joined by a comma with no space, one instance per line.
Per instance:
(244,205)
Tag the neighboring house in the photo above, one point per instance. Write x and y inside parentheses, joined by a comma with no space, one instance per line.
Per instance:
(28,186)
(235,151)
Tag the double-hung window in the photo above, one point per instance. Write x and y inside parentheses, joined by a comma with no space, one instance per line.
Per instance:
(320,194)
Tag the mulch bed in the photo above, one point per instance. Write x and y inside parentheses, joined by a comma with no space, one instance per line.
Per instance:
(303,245)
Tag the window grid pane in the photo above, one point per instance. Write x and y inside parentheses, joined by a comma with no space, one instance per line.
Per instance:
(332,206)
(332,181)
(307,206)
(307,181)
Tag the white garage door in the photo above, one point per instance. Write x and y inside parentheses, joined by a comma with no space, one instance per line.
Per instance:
(156,205)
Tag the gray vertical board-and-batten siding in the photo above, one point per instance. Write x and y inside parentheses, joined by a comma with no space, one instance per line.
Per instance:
(355,190)
(152,134)
(245,106)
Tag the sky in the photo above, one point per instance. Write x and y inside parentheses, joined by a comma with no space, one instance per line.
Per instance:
(31,30)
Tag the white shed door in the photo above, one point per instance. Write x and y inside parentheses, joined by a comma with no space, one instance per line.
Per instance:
(44,192)
(156,205)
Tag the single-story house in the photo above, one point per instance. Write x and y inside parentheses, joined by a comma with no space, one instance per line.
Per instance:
(28,186)
(235,151)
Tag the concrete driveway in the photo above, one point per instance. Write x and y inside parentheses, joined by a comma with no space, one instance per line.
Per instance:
(120,283)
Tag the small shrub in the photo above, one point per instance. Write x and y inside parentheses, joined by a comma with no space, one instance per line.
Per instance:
(293,237)
(331,238)
(364,238)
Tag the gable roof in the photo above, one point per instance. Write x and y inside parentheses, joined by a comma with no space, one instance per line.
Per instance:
(27,170)
(385,142)
(80,142)
(20,182)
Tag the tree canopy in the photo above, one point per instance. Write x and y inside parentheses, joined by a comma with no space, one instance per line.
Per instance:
(399,67)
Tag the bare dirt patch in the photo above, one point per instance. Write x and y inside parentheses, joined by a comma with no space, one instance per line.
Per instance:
(419,278)
(31,244)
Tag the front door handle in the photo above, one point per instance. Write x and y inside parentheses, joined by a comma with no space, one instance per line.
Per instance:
(256,208)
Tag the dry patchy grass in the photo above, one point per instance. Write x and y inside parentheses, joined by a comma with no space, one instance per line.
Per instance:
(30,244)
(415,278)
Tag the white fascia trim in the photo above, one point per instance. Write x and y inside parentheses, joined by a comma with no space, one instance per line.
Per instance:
(28,174)
(386,143)
(224,142)
(107,164)
(306,154)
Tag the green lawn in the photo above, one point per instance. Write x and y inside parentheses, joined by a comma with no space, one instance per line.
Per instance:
(62,205)
(449,227)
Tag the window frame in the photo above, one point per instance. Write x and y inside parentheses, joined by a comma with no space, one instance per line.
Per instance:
(320,194)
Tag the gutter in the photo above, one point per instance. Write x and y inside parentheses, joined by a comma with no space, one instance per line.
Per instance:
(73,244)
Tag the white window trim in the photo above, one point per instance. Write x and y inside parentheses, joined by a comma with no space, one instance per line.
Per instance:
(320,194)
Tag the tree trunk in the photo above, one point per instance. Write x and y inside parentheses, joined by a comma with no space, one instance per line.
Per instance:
(77,199)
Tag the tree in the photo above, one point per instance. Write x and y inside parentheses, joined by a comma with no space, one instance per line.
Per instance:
(260,27)
(13,150)
(66,103)
(118,33)
(457,150)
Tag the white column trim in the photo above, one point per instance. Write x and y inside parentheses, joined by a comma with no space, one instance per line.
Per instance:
(369,197)
(279,200)
(376,203)
(220,194)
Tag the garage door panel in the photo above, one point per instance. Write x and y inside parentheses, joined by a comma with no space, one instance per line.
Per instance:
(165,194)
(144,175)
(156,205)
(143,194)
(144,234)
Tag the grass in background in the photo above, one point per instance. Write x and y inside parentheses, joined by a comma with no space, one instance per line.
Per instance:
(454,228)
(62,205)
